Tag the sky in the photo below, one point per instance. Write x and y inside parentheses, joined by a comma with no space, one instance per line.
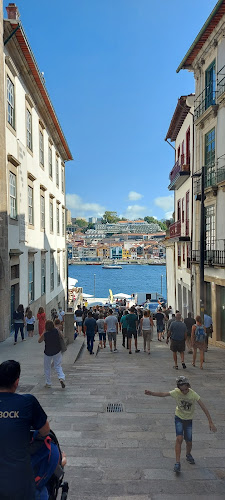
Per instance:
(110,70)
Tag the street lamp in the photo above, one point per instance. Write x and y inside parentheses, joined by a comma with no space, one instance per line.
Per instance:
(201,198)
(94,284)
(161,283)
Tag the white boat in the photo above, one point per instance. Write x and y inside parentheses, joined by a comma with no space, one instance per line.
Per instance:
(112,266)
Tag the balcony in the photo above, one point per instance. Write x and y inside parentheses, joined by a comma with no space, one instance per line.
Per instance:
(180,230)
(179,173)
(220,82)
(205,100)
(214,255)
(213,177)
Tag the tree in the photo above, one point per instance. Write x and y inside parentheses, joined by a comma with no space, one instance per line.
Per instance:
(110,217)
(81,223)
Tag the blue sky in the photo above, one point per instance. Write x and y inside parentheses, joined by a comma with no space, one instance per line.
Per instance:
(110,69)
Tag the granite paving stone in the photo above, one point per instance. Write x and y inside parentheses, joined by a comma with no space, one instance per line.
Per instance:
(128,455)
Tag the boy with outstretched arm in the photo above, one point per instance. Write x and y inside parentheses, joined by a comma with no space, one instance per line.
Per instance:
(185,398)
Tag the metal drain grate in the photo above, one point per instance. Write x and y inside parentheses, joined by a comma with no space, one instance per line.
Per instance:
(114,407)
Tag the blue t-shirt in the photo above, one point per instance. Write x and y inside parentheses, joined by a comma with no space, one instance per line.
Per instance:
(18,413)
(178,330)
(90,323)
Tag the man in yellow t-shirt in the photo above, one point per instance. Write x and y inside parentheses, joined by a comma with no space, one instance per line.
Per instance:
(185,398)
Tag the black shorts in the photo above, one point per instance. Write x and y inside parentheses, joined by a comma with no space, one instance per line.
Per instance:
(30,328)
(130,333)
(177,345)
(124,331)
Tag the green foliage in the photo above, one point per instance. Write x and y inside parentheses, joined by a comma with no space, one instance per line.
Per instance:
(81,223)
(110,217)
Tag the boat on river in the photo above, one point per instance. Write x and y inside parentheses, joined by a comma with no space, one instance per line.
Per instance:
(112,266)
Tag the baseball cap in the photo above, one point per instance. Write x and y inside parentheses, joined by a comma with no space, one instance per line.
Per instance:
(182,380)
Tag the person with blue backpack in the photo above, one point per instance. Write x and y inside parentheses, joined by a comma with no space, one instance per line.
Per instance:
(198,340)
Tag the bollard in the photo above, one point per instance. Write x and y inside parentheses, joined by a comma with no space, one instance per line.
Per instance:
(69,327)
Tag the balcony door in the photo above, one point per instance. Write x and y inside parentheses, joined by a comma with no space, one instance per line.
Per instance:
(210,85)
(210,230)
(210,158)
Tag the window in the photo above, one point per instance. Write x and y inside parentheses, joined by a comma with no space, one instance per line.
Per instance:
(42,212)
(30,206)
(188,139)
(210,230)
(187,212)
(178,210)
(31,281)
(43,275)
(182,209)
(178,153)
(51,222)
(57,219)
(15,272)
(183,252)
(62,177)
(29,128)
(10,103)
(58,269)
(179,255)
(182,153)
(210,85)
(64,266)
(12,194)
(63,223)
(57,171)
(188,256)
(51,272)
(210,158)
(50,160)
(41,148)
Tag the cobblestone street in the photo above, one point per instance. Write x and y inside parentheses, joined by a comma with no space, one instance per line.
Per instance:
(129,455)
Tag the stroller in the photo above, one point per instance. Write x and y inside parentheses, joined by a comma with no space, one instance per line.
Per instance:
(46,460)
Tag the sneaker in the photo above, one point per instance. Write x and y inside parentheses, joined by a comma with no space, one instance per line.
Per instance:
(48,386)
(176,467)
(184,366)
(190,459)
(115,349)
(137,350)
(130,352)
(62,382)
(24,340)
(15,343)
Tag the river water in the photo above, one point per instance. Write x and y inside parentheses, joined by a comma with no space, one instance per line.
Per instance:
(131,278)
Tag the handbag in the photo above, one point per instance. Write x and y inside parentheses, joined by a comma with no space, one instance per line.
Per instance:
(63,347)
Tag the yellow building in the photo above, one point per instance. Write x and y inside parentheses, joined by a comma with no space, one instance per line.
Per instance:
(125,254)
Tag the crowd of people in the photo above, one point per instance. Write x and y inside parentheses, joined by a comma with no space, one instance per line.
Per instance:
(138,322)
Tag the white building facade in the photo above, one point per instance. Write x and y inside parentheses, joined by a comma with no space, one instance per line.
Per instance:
(178,242)
(206,58)
(36,152)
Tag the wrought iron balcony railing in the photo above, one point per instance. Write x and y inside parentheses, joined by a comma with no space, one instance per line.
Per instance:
(213,177)
(221,81)
(214,254)
(178,229)
(206,99)
(181,165)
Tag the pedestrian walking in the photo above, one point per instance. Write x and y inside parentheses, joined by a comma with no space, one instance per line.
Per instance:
(123,326)
(19,322)
(146,328)
(29,321)
(177,334)
(185,398)
(101,330)
(111,327)
(132,326)
(189,322)
(41,317)
(173,318)
(208,327)
(19,412)
(52,351)
(159,316)
(198,339)
(89,330)
(78,318)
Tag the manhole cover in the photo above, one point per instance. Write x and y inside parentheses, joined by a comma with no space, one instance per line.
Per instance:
(25,388)
(114,407)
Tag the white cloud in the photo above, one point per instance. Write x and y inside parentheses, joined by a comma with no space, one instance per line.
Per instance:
(166,203)
(80,209)
(168,215)
(134,196)
(135,212)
